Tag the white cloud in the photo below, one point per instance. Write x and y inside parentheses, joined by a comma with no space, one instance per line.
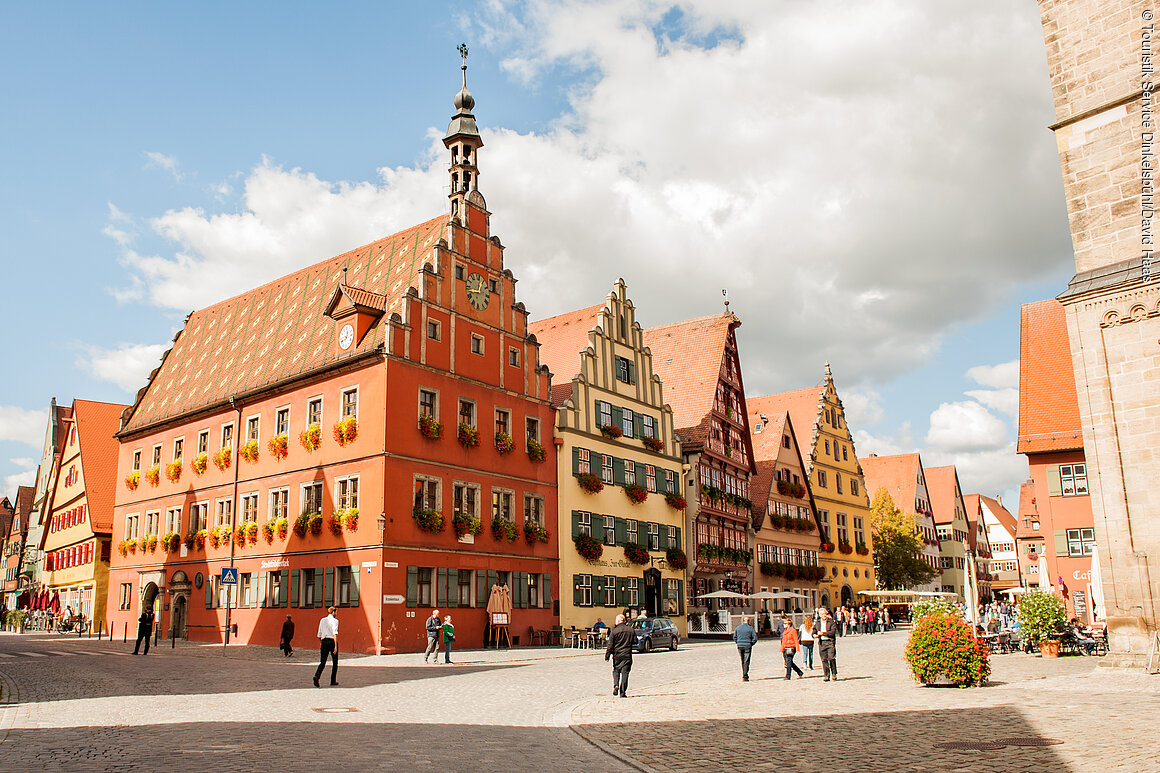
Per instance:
(994,471)
(21,425)
(1002,400)
(900,442)
(166,163)
(965,426)
(862,406)
(26,477)
(1004,375)
(128,366)
(813,163)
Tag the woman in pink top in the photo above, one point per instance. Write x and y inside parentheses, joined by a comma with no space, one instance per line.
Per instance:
(789,648)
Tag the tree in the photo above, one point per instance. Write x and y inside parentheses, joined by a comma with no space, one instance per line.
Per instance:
(898,561)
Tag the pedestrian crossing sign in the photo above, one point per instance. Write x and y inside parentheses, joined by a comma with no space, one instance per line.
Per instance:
(229,575)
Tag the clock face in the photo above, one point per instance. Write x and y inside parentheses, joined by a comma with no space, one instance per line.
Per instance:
(478,293)
(346,336)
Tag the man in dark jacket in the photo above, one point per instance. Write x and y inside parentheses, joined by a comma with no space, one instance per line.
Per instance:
(826,633)
(620,643)
(287,636)
(745,637)
(434,635)
(144,630)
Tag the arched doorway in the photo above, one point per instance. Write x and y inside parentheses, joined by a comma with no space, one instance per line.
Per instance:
(148,596)
(179,616)
(652,592)
(847,595)
(826,600)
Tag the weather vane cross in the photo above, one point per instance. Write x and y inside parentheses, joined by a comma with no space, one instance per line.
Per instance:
(463,53)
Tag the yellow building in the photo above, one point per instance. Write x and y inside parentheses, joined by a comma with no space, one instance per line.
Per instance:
(76,536)
(620,468)
(837,485)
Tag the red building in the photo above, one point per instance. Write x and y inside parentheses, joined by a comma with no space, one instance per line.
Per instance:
(1056,517)
(359,433)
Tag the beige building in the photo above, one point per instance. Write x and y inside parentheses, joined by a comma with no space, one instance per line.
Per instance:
(1100,56)
(621,512)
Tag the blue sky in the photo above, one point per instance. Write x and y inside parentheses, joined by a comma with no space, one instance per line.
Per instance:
(875,187)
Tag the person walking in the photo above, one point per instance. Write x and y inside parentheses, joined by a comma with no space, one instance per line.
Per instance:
(144,631)
(826,635)
(745,637)
(621,640)
(434,636)
(448,637)
(328,646)
(806,636)
(287,636)
(789,648)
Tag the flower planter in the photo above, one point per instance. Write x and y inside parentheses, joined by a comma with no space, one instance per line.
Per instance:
(311,438)
(346,430)
(1049,648)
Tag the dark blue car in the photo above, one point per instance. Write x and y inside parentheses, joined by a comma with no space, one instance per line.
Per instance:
(653,633)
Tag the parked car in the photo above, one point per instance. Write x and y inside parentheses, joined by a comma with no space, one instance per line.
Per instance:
(654,633)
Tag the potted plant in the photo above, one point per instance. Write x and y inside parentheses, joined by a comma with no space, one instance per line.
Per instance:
(536,451)
(467,435)
(1042,616)
(199,463)
(504,443)
(268,532)
(676,501)
(335,523)
(346,430)
(428,520)
(534,531)
(502,528)
(153,475)
(590,483)
(861,549)
(653,443)
(279,446)
(249,451)
(430,427)
(302,524)
(311,438)
(223,458)
(173,471)
(315,524)
(588,547)
(611,431)
(776,520)
(132,480)
(465,524)
(637,554)
(943,646)
(783,487)
(252,533)
(827,547)
(282,528)
(635,493)
(350,518)
(676,558)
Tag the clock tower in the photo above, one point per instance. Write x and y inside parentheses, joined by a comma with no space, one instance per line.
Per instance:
(463,141)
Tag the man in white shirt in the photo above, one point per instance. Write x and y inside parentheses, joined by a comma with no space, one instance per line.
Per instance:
(328,636)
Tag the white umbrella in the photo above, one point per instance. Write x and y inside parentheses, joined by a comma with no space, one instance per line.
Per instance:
(1096,587)
(722,594)
(970,591)
(1044,580)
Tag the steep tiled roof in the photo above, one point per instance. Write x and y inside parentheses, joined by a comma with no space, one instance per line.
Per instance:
(277,331)
(940,485)
(1048,408)
(1027,508)
(1002,514)
(562,338)
(687,356)
(25,496)
(802,406)
(898,474)
(96,425)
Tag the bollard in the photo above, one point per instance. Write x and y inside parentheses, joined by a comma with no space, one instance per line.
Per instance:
(100,630)
(156,635)
(172,636)
(125,633)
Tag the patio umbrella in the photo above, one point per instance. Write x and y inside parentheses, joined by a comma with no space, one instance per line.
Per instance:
(1096,586)
(1044,580)
(970,591)
(722,594)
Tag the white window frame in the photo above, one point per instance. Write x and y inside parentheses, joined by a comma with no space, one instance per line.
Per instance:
(609,524)
(584,522)
(279,430)
(254,422)
(249,507)
(583,461)
(223,511)
(173,520)
(132,523)
(434,403)
(309,409)
(434,326)
(610,590)
(477,344)
(178,448)
(459,491)
(303,497)
(606,468)
(584,582)
(474,423)
(629,472)
(342,402)
(199,516)
(631,530)
(627,424)
(227,427)
(654,536)
(345,499)
(650,478)
(536,511)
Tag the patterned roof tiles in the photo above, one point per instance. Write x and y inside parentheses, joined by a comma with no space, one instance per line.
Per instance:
(1048,407)
(898,474)
(562,338)
(278,331)
(687,356)
(97,423)
(940,485)
(803,408)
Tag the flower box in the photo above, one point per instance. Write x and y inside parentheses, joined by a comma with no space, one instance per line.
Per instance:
(797,490)
(173,471)
(845,548)
(302,524)
(429,520)
(249,451)
(653,443)
(862,550)
(430,427)
(536,451)
(349,518)
(346,430)
(589,548)
(676,559)
(240,535)
(467,435)
(153,475)
(535,532)
(827,547)
(637,554)
(590,483)
(195,540)
(783,487)
(268,532)
(635,493)
(465,524)
(334,524)
(676,501)
(199,463)
(133,480)
(252,533)
(171,542)
(612,432)
(223,458)
(279,446)
(282,528)
(504,443)
(311,438)
(503,529)
(315,524)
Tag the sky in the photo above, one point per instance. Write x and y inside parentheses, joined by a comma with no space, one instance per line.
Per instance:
(873,183)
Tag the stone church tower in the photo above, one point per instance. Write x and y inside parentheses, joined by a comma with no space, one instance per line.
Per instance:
(1100,59)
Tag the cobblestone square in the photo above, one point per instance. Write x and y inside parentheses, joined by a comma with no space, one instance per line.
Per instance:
(84,705)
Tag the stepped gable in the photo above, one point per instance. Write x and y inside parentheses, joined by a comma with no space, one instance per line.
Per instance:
(278,331)
(97,425)
(940,485)
(803,407)
(1001,513)
(561,340)
(898,474)
(1048,407)
(687,356)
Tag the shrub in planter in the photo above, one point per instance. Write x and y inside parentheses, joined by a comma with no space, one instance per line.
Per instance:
(346,430)
(590,483)
(861,549)
(173,471)
(809,525)
(199,463)
(334,524)
(268,532)
(611,431)
(315,524)
(676,501)
(791,573)
(653,443)
(467,435)
(504,443)
(536,451)
(503,529)
(845,547)
(465,524)
(777,521)
(588,547)
(827,547)
(635,493)
(637,554)
(349,518)
(279,446)
(302,524)
(311,438)
(250,452)
(944,646)
(797,490)
(133,480)
(430,427)
(534,532)
(282,528)
(223,458)
(1040,613)
(153,475)
(708,551)
(783,487)
(429,520)
(676,558)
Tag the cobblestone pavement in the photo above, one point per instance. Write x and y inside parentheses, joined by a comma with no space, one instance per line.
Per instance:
(84,705)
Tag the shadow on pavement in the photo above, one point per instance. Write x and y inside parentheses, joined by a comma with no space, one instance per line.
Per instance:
(871,741)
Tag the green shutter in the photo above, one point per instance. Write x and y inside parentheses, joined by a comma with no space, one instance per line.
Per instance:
(631,372)
(1060,542)
(546,596)
(664,595)
(492,579)
(441,587)
(1054,485)
(481,588)
(576,598)
(681,596)
(294,587)
(575,460)
(284,588)
(521,594)
(618,417)
(663,542)
(263,588)
(319,580)
(638,424)
(598,404)
(329,590)
(354,580)
(209,592)
(412,586)
(679,544)
(598,590)
(598,527)
(618,471)
(621,532)
(575,524)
